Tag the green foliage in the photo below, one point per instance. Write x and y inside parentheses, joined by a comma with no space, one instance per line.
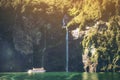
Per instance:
(93,10)
(83,12)
(106,43)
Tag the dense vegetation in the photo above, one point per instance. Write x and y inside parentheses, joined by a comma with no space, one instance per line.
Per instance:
(32,28)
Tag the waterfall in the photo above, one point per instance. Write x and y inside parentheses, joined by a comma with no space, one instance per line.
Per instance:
(65,21)
(67,50)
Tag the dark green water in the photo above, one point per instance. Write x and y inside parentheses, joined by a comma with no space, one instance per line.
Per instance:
(60,76)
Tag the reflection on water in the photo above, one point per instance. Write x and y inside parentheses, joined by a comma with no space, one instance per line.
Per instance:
(100,76)
(60,76)
(89,76)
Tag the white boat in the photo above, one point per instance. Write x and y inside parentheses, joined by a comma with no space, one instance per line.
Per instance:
(36,70)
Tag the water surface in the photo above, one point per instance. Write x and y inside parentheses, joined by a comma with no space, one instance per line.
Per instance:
(59,76)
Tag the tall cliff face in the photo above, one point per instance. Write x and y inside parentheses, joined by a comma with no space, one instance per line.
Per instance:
(101,46)
(37,36)
(98,22)
(45,42)
(34,29)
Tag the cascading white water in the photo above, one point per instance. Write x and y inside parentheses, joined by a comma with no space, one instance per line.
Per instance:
(65,21)
(67,48)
